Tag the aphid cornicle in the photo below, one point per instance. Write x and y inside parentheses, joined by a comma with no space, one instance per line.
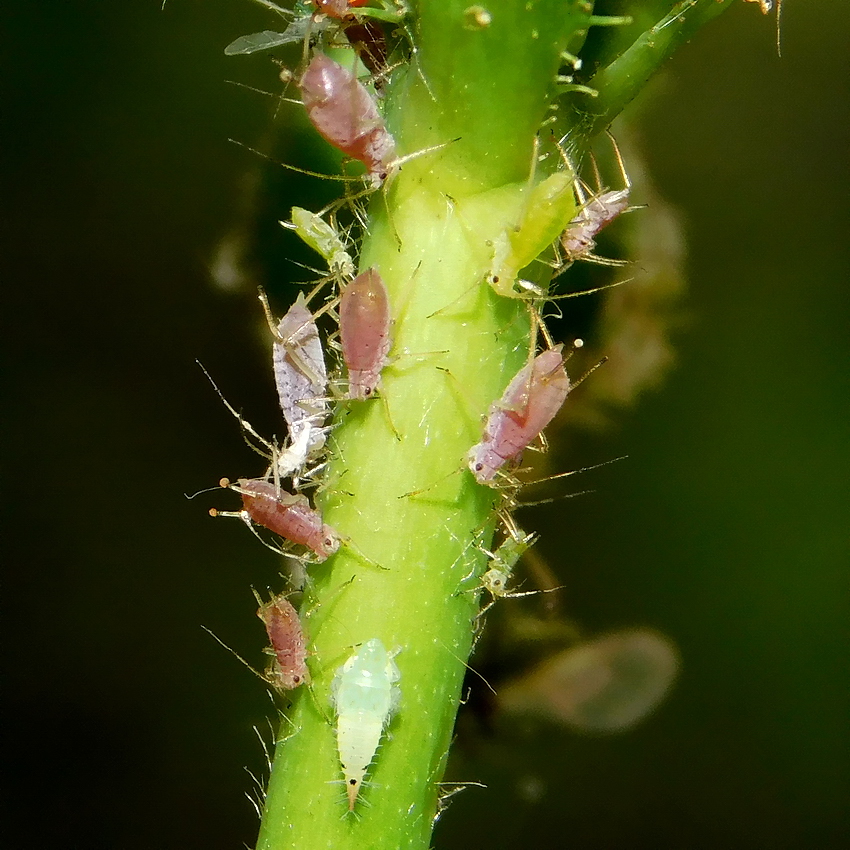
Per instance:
(286,514)
(364,693)
(344,112)
(288,669)
(364,329)
(527,406)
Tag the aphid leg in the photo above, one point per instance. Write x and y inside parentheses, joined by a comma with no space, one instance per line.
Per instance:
(244,423)
(468,667)
(236,655)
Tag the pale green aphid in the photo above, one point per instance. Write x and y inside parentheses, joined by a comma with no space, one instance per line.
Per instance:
(323,239)
(503,561)
(365,694)
(547,208)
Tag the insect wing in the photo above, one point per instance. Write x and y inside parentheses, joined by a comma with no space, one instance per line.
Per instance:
(267,40)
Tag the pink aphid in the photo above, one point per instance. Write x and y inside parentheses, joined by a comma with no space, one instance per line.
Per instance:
(301,378)
(288,670)
(527,406)
(364,329)
(286,514)
(339,9)
(578,239)
(344,112)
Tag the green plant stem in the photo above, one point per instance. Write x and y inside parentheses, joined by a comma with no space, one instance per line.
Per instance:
(619,82)
(398,490)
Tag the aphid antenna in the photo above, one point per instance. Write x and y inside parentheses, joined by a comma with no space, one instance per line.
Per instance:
(521,505)
(254,89)
(205,490)
(468,667)
(455,788)
(589,372)
(342,178)
(244,516)
(560,475)
(236,655)
(599,261)
(247,428)
(280,10)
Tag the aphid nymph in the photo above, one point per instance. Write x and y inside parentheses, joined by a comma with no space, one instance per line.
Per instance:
(364,693)
(288,668)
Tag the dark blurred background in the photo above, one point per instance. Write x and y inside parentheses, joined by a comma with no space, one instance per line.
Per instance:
(127,727)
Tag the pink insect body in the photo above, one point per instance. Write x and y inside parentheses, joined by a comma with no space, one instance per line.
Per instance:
(289,668)
(288,515)
(344,112)
(527,406)
(364,328)
(301,378)
(578,238)
(339,9)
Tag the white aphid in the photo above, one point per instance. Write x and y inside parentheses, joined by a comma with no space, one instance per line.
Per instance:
(302,380)
(364,694)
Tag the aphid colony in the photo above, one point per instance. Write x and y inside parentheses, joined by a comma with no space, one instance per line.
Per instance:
(556,211)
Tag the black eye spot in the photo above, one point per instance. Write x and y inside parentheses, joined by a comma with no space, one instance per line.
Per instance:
(479,467)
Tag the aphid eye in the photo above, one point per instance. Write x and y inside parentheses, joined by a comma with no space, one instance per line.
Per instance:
(367,391)
(479,466)
(495,278)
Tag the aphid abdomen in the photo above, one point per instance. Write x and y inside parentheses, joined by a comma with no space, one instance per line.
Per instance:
(288,515)
(301,375)
(579,237)
(343,111)
(527,406)
(364,322)
(286,636)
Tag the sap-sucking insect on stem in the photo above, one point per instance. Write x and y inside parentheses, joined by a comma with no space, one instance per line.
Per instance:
(527,406)
(288,515)
(288,668)
(346,115)
(365,694)
(364,328)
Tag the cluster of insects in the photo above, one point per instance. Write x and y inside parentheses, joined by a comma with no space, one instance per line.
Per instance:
(558,212)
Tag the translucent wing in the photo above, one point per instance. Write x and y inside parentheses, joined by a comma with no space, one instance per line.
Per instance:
(266,40)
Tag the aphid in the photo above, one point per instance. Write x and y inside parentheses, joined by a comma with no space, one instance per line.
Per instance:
(339,9)
(344,112)
(301,378)
(595,213)
(323,239)
(364,694)
(288,515)
(527,406)
(288,668)
(496,579)
(364,329)
(604,685)
(548,205)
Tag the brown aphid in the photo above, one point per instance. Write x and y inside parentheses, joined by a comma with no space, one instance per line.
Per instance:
(344,112)
(286,514)
(364,329)
(288,669)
